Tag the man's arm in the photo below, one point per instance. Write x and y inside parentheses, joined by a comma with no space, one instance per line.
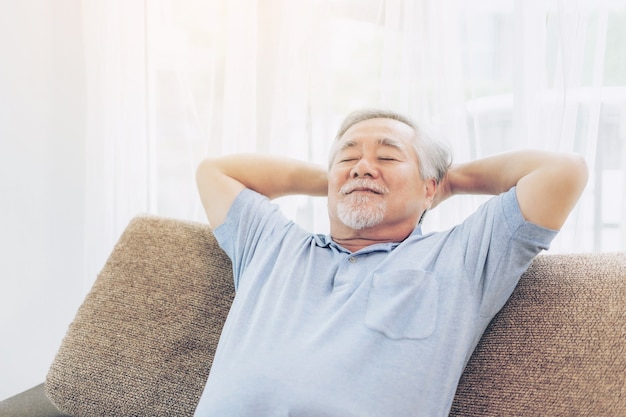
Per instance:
(548,184)
(220,180)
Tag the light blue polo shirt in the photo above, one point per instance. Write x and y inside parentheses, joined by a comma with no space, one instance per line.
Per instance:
(317,331)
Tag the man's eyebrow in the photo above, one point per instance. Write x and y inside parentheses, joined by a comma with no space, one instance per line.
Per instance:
(347,145)
(391,143)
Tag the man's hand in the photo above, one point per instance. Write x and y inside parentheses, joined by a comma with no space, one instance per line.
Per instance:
(548,184)
(220,180)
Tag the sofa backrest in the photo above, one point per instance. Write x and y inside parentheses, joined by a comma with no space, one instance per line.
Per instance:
(143,340)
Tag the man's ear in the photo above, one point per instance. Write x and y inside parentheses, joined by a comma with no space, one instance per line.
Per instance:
(431,190)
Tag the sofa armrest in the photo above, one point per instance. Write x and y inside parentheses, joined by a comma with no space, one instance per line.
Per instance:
(30,403)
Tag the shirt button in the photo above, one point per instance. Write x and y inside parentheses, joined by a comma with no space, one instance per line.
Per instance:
(352,259)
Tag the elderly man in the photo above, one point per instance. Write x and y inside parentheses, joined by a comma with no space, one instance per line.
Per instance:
(375,318)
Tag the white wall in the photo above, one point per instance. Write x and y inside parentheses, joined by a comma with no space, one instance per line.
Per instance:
(42,124)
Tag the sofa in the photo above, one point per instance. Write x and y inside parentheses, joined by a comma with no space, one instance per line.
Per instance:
(142,342)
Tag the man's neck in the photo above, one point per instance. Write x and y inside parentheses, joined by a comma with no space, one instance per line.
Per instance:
(355,240)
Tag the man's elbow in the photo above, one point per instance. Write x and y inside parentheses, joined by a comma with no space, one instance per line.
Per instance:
(575,173)
(550,193)
(206,168)
(572,173)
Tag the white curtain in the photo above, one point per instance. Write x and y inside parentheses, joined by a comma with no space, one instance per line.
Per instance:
(172,82)
(117,151)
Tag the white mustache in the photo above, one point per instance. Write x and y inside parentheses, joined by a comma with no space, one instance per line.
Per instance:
(363,184)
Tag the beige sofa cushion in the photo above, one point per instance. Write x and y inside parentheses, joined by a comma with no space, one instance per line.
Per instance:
(142,342)
(558,347)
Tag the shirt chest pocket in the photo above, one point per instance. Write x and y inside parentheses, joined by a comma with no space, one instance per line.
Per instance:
(403,304)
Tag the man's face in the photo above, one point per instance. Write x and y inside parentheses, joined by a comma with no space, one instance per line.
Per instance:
(374,182)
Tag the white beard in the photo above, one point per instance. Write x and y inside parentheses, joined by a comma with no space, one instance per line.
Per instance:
(361,210)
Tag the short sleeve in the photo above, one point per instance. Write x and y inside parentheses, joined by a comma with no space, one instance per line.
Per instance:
(499,246)
(251,220)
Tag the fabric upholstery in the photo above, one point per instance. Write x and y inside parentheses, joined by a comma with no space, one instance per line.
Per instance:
(143,340)
(558,347)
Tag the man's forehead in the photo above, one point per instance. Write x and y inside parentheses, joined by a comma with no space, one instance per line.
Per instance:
(379,127)
(381,141)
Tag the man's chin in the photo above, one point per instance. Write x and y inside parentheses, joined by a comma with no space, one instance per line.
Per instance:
(358,218)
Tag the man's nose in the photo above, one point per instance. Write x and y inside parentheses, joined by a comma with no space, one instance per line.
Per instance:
(364,168)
